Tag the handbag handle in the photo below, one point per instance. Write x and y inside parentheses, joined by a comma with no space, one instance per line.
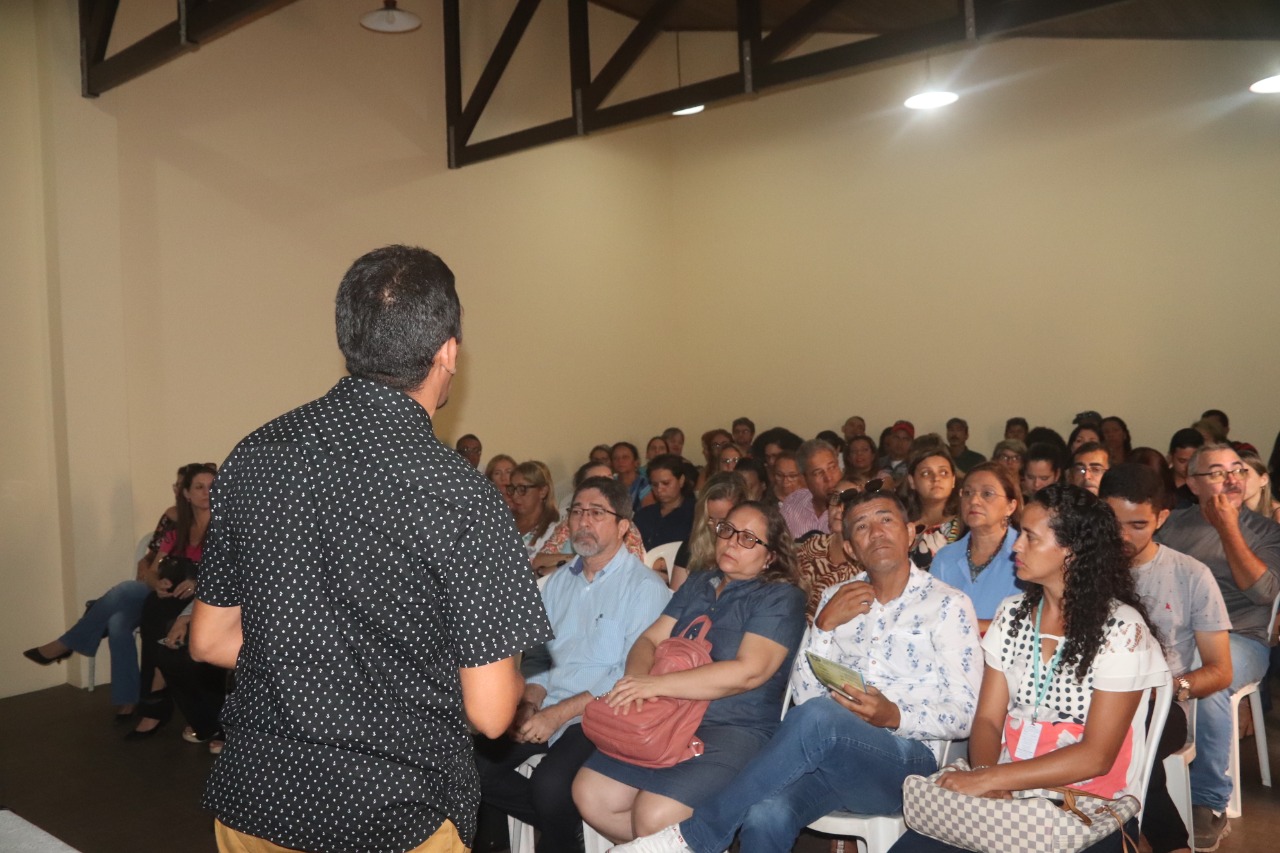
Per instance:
(699,627)
(1069,796)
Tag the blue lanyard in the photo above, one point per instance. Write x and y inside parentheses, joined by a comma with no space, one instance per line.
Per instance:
(1042,686)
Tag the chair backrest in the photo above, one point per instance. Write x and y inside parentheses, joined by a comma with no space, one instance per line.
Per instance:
(1155,727)
(1275,612)
(666,553)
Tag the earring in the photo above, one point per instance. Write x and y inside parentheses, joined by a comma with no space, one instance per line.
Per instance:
(1004,522)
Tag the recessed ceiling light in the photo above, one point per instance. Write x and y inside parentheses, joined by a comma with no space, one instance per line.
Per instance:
(930,100)
(1267,86)
(389,19)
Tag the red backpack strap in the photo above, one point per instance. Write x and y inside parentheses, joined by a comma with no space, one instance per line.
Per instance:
(698,628)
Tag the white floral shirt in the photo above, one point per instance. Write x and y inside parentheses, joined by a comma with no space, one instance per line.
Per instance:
(920,650)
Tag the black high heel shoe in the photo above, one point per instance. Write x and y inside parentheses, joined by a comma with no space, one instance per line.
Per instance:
(34,656)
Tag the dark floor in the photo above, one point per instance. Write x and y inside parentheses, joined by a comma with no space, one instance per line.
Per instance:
(65,767)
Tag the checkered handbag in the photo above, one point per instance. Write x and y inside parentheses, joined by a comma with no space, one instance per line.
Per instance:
(988,825)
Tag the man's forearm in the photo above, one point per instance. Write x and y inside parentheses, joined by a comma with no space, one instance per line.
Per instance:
(1246,568)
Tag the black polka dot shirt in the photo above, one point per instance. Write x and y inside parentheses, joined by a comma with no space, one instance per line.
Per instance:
(370,563)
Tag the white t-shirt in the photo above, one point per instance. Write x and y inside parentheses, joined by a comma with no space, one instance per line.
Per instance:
(1181,597)
(1129,659)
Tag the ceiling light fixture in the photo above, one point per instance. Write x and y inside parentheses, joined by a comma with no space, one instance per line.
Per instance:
(389,19)
(686,111)
(1267,86)
(930,98)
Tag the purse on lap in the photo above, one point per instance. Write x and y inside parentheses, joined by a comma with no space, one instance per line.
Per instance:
(1015,825)
(664,732)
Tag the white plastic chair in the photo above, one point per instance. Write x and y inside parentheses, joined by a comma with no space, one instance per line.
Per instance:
(520,833)
(666,553)
(1254,695)
(1177,774)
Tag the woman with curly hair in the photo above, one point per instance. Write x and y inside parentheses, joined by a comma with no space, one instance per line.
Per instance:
(1070,665)
(757,616)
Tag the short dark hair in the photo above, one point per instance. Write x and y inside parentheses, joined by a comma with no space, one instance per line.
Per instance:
(1219,414)
(396,307)
(746,422)
(958,422)
(462,438)
(750,463)
(1185,437)
(1087,447)
(1047,435)
(1044,452)
(628,445)
(1013,422)
(581,473)
(670,431)
(1135,483)
(667,462)
(866,497)
(781,436)
(614,492)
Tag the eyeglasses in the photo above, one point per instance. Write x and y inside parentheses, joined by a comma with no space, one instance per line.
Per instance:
(729,462)
(519,491)
(789,478)
(595,513)
(985,494)
(745,538)
(1220,474)
(1099,468)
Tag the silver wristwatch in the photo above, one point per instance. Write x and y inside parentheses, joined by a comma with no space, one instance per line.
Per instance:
(1183,693)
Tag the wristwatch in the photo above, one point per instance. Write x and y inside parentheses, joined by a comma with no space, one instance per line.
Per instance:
(1183,692)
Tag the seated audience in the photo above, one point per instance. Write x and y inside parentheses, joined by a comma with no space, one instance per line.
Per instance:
(757,615)
(198,690)
(674,437)
(981,564)
(1012,454)
(498,472)
(1181,448)
(786,477)
(557,550)
(626,469)
(533,504)
(821,559)
(860,459)
(597,607)
(116,612)
(773,442)
(805,509)
(1257,487)
(1211,430)
(853,426)
(1048,435)
(852,752)
(957,444)
(1242,550)
(744,432)
(721,494)
(713,441)
(1088,727)
(469,448)
(754,475)
(895,447)
(1085,433)
(601,454)
(1116,439)
(1043,467)
(832,438)
(656,447)
(932,502)
(1016,429)
(1089,462)
(1154,459)
(728,458)
(1187,612)
(670,517)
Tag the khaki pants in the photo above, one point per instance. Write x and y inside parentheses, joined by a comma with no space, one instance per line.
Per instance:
(443,840)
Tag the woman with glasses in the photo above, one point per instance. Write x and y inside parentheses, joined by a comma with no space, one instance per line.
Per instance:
(757,616)
(1069,666)
(729,458)
(933,502)
(117,612)
(713,441)
(1012,454)
(715,500)
(533,504)
(980,563)
(785,476)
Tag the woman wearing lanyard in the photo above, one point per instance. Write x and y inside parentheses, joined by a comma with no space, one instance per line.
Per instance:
(1067,665)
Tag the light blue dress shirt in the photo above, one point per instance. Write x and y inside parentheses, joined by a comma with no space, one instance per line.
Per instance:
(995,583)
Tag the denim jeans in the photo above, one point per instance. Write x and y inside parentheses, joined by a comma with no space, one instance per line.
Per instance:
(116,614)
(1210,785)
(823,758)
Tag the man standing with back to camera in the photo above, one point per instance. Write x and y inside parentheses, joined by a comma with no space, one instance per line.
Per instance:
(371,591)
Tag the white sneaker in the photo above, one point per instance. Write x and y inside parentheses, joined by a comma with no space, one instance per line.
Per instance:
(667,840)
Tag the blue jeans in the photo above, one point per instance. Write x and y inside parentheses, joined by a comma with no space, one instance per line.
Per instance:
(116,614)
(1210,785)
(823,758)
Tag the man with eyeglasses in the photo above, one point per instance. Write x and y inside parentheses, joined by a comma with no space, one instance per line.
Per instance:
(470,448)
(853,749)
(1088,464)
(598,605)
(805,510)
(1242,549)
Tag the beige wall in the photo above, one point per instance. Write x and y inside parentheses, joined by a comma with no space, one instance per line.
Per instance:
(1079,200)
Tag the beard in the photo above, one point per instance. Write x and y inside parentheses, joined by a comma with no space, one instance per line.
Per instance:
(586,544)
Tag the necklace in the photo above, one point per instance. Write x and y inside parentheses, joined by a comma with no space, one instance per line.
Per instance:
(976,569)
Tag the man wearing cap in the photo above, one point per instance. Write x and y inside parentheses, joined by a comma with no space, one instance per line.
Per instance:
(897,446)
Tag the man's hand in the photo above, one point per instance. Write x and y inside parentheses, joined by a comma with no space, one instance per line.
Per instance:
(852,599)
(539,727)
(524,712)
(1220,512)
(871,706)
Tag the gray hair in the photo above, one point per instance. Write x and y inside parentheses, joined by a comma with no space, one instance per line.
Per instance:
(806,451)
(1194,462)
(614,492)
